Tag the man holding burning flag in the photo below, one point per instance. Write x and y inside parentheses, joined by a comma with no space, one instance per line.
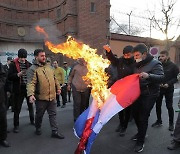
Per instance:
(150,73)
(125,67)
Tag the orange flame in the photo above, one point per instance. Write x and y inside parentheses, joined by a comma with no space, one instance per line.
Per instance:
(95,64)
(41,30)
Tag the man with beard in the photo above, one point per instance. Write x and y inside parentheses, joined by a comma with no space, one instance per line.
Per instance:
(151,74)
(42,87)
(166,89)
(124,66)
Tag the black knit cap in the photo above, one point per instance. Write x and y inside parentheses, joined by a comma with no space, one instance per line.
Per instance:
(22,53)
(127,49)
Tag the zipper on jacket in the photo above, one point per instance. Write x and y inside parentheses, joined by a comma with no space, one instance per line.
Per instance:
(148,89)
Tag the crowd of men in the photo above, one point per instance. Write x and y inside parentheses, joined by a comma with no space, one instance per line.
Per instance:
(43,84)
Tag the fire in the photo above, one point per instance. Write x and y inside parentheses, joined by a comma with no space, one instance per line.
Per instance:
(96,65)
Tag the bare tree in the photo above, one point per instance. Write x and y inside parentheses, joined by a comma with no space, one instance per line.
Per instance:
(166,22)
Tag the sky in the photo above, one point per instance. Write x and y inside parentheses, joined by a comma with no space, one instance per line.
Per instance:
(142,10)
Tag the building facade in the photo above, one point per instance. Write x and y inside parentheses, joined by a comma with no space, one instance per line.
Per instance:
(86,20)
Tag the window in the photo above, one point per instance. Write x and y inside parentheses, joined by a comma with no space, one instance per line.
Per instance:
(93,7)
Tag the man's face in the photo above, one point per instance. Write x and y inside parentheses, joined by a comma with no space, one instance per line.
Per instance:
(41,57)
(127,55)
(55,64)
(22,60)
(138,56)
(65,65)
(163,57)
(8,62)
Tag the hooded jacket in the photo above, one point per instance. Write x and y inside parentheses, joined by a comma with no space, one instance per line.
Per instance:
(41,82)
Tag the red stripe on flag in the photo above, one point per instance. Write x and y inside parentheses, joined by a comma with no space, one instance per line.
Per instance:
(127,90)
(86,133)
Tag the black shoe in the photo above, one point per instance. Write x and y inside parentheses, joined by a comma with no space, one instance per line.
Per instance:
(122,132)
(38,131)
(16,129)
(5,143)
(174,145)
(139,147)
(171,127)
(32,123)
(118,128)
(63,106)
(134,138)
(58,105)
(157,124)
(57,135)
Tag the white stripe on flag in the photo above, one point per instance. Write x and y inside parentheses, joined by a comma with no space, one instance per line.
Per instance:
(93,109)
(109,109)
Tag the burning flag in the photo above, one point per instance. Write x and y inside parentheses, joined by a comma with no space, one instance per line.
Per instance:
(106,102)
(122,94)
(96,65)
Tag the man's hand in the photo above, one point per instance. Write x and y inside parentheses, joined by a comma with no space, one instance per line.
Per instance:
(8,94)
(107,48)
(20,74)
(68,87)
(32,99)
(144,75)
(59,92)
(166,85)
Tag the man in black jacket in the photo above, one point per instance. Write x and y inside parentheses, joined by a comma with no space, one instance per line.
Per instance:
(150,73)
(17,74)
(166,89)
(3,119)
(8,86)
(124,66)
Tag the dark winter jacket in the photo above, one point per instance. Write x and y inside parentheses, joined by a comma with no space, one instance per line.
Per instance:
(154,68)
(170,74)
(2,83)
(112,73)
(124,66)
(14,69)
(8,84)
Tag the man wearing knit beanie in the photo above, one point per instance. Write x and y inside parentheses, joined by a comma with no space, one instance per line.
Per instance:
(17,74)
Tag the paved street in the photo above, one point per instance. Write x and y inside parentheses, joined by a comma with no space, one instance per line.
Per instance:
(107,142)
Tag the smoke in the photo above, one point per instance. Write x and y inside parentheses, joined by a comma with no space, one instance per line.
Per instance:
(51,28)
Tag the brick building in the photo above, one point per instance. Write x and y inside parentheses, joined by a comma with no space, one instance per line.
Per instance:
(86,20)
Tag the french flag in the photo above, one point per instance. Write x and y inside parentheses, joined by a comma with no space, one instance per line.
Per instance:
(122,94)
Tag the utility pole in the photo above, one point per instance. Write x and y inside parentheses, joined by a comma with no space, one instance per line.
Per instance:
(129,22)
(151,24)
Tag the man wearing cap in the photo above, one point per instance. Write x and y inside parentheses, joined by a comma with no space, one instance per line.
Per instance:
(17,74)
(124,67)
